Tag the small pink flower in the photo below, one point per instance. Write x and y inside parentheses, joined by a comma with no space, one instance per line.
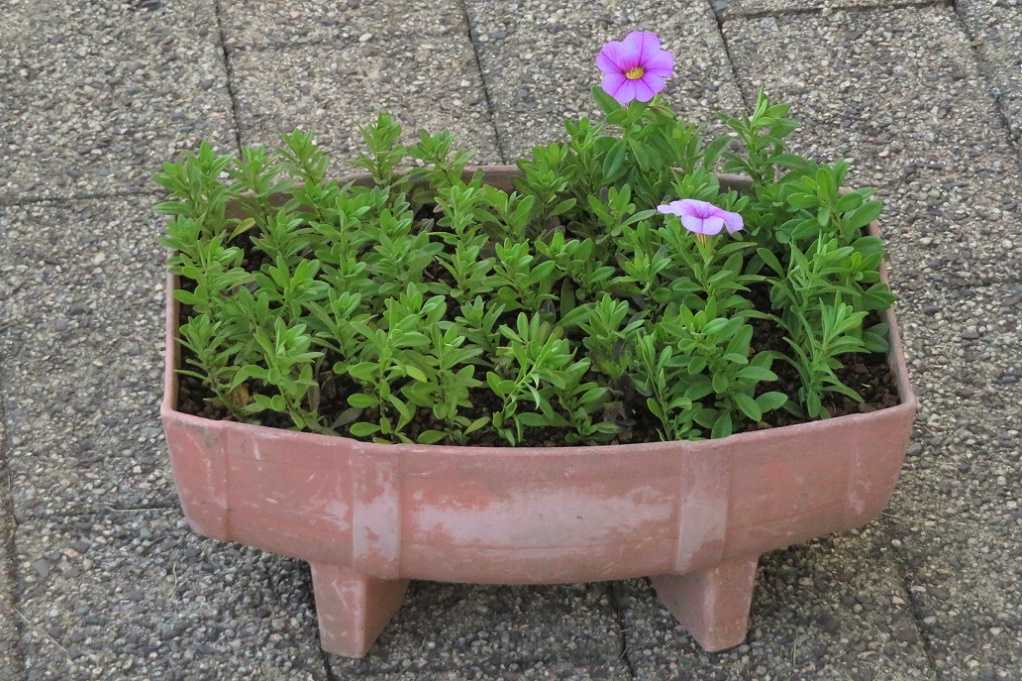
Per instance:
(703,218)
(635,68)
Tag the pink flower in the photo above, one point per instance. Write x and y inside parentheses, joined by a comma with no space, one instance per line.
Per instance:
(703,218)
(634,68)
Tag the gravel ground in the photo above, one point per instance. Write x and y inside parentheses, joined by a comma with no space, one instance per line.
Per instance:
(832,609)
(97,95)
(489,631)
(10,660)
(137,595)
(428,82)
(82,284)
(995,27)
(730,9)
(304,22)
(114,586)
(537,61)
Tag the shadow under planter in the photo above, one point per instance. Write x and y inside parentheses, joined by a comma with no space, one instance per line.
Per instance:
(695,516)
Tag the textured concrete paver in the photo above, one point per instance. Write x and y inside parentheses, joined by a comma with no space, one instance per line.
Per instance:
(899,92)
(82,284)
(538,57)
(134,596)
(996,29)
(10,662)
(97,95)
(497,632)
(832,609)
(733,8)
(266,23)
(957,514)
(428,80)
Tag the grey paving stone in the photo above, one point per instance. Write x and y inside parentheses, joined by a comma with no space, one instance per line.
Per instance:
(958,529)
(486,632)
(541,670)
(82,284)
(97,95)
(538,58)
(833,609)
(733,8)
(261,23)
(899,92)
(904,81)
(995,27)
(428,82)
(137,595)
(964,348)
(10,660)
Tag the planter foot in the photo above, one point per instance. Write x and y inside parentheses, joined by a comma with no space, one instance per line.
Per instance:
(713,605)
(352,608)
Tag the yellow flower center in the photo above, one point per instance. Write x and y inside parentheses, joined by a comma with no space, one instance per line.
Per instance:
(635,74)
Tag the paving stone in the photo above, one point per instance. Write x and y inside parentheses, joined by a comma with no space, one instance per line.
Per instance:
(98,95)
(428,82)
(902,83)
(834,609)
(538,63)
(261,23)
(995,27)
(733,8)
(82,285)
(10,661)
(964,347)
(541,670)
(139,596)
(499,632)
(957,525)
(898,92)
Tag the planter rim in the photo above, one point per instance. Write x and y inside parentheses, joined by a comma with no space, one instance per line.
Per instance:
(907,406)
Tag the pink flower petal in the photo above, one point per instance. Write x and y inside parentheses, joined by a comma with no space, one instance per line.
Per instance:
(643,92)
(612,57)
(644,43)
(692,223)
(626,92)
(660,64)
(627,55)
(733,221)
(654,83)
(672,208)
(713,225)
(612,82)
(695,207)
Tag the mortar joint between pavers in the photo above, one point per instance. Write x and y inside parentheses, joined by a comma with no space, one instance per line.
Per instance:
(490,109)
(228,72)
(619,612)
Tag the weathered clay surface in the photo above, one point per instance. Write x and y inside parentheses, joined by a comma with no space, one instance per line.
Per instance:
(695,514)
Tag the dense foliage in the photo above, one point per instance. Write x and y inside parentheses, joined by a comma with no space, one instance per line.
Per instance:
(428,306)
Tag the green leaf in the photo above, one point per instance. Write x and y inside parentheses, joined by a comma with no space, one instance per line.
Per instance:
(723,426)
(532,419)
(771,400)
(364,429)
(415,373)
(863,215)
(756,373)
(749,407)
(362,400)
(430,437)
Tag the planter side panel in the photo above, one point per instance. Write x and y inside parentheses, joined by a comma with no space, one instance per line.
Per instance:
(533,518)
(825,477)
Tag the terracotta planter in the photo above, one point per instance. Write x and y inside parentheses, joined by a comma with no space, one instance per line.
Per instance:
(694,516)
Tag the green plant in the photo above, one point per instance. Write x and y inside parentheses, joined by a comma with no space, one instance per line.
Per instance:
(599,301)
